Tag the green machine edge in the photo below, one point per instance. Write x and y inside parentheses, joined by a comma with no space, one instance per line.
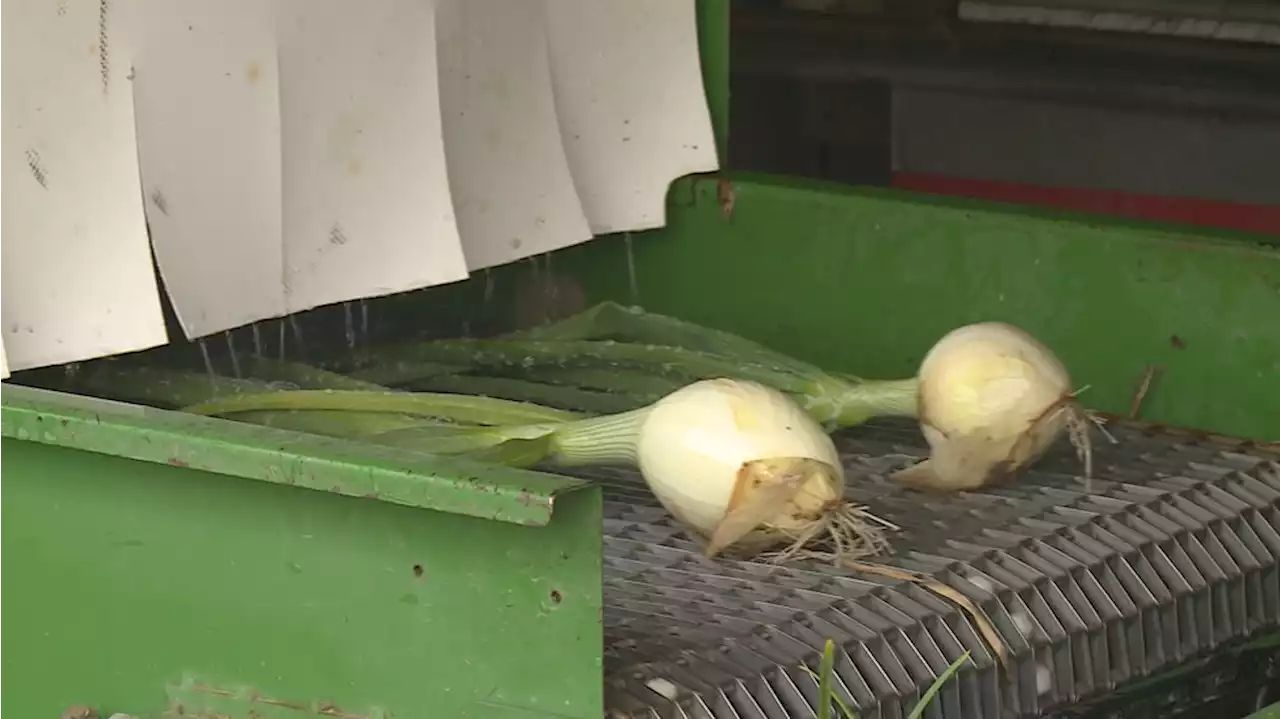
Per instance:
(166,563)
(283,457)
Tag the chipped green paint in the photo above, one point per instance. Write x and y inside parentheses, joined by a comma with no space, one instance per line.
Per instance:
(282,457)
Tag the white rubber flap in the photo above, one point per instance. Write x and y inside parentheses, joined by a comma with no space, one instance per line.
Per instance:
(512,190)
(367,208)
(77,274)
(629,95)
(4,363)
(208,121)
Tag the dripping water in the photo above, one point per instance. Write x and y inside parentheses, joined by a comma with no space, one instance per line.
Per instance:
(537,270)
(257,340)
(550,287)
(297,336)
(231,349)
(350,326)
(208,364)
(631,270)
(364,323)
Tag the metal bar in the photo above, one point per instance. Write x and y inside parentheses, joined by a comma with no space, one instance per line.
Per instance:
(1013,61)
(282,457)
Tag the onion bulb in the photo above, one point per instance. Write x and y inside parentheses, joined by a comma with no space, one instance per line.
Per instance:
(739,463)
(992,400)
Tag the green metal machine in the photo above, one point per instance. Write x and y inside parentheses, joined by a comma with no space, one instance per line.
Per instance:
(169,565)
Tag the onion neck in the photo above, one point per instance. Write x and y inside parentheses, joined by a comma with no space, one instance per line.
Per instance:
(611,439)
(851,403)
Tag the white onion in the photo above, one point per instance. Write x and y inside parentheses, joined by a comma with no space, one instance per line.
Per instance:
(727,457)
(992,400)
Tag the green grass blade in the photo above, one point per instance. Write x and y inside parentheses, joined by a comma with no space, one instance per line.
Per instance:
(846,711)
(826,692)
(825,670)
(934,688)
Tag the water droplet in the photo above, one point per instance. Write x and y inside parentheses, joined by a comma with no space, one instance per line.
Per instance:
(208,365)
(297,335)
(631,268)
(235,358)
(349,320)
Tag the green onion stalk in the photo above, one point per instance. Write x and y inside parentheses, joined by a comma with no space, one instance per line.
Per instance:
(519,434)
(355,409)
(634,356)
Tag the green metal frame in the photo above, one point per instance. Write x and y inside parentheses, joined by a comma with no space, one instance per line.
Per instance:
(713,47)
(158,559)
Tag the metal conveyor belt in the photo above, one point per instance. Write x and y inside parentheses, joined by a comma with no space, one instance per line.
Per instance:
(1172,551)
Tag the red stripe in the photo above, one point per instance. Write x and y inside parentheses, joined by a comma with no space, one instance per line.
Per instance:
(1263,219)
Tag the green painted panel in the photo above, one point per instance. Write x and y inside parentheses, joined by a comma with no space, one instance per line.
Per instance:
(865,281)
(127,577)
(713,47)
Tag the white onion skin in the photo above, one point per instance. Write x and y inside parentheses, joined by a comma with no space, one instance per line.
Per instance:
(694,441)
(982,388)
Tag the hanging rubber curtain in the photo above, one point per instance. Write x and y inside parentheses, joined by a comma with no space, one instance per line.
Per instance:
(288,154)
